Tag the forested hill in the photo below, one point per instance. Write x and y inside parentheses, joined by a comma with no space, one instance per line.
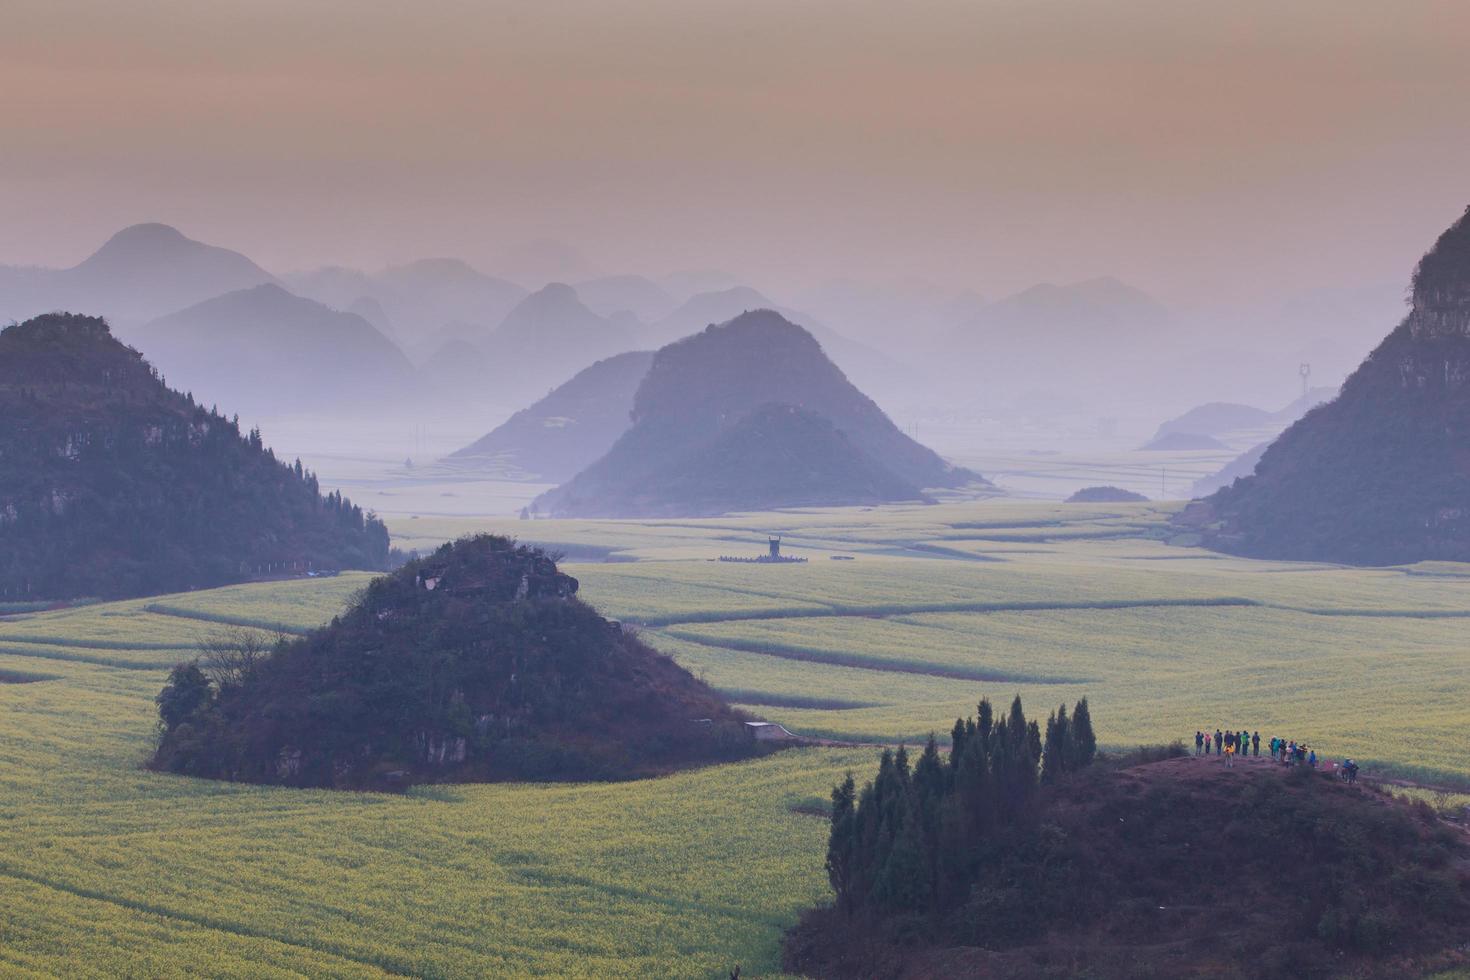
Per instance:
(475,663)
(1381,475)
(113,485)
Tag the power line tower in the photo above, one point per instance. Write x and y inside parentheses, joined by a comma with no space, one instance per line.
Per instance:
(1305,370)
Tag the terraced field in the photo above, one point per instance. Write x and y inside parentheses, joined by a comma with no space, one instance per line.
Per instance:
(106,869)
(943,604)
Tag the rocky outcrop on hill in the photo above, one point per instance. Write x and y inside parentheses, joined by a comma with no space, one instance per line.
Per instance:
(1381,475)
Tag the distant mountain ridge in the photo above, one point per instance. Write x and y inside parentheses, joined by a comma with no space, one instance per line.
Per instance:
(1381,475)
(1213,419)
(112,485)
(642,297)
(688,413)
(139,273)
(1183,442)
(1092,311)
(549,336)
(263,351)
(418,298)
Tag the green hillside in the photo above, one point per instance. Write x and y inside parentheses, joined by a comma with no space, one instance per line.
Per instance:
(1381,475)
(113,485)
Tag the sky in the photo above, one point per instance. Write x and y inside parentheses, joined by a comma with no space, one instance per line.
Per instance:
(1200,150)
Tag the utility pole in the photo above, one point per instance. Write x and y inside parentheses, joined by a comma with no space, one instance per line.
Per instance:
(1305,370)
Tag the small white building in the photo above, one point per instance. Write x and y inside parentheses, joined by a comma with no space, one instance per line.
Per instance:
(767,731)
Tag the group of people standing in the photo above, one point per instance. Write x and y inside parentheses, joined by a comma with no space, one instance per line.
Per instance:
(1293,753)
(1243,743)
(1229,744)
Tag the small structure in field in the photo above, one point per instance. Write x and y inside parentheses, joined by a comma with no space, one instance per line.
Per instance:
(772,557)
(768,731)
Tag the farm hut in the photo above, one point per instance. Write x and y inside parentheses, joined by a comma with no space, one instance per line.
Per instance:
(767,731)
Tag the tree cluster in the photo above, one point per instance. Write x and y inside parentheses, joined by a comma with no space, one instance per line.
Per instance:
(931,840)
(474,663)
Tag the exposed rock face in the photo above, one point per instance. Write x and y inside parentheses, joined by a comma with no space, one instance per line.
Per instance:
(1382,474)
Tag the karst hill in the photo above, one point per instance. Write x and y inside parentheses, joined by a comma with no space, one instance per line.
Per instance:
(477,663)
(1381,475)
(113,485)
(746,415)
(1179,868)
(553,439)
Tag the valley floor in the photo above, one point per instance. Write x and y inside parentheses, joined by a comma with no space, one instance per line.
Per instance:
(108,869)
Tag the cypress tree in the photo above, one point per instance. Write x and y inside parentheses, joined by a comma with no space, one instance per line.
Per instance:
(902,881)
(1057,751)
(956,741)
(1016,722)
(929,774)
(1084,742)
(842,843)
(918,837)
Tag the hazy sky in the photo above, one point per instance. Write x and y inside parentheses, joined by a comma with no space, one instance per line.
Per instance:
(1197,148)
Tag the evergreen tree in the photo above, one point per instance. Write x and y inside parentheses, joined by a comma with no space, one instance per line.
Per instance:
(1016,722)
(187,691)
(1056,757)
(921,839)
(903,882)
(842,843)
(957,740)
(1084,742)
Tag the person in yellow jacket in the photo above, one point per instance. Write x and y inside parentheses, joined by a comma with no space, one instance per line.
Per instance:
(1230,755)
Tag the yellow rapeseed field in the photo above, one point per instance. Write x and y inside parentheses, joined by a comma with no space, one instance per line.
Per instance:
(107,869)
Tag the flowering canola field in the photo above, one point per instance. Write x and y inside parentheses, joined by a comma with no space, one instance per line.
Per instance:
(106,869)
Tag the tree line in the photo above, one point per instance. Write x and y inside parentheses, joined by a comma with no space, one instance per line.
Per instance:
(932,839)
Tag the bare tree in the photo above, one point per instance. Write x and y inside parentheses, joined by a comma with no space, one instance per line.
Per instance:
(230,657)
